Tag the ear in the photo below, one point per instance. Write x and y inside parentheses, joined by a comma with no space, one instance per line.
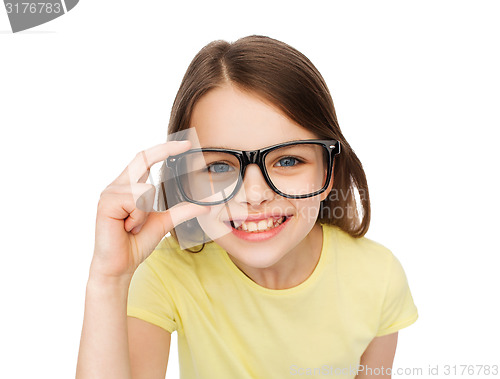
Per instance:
(325,194)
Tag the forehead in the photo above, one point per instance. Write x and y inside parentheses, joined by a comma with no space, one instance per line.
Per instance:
(231,118)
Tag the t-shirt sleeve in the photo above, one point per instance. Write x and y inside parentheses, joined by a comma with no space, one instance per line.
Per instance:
(398,309)
(148,298)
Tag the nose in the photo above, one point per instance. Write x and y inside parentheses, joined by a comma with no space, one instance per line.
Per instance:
(254,190)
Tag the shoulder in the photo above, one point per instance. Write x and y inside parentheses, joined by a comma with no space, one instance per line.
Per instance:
(362,263)
(363,252)
(367,270)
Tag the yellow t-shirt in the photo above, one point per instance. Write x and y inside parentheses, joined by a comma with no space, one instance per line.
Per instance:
(229,327)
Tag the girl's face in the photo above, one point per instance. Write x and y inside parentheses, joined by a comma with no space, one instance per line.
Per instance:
(227,117)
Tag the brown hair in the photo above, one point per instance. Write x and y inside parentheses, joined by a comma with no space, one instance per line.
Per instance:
(286,78)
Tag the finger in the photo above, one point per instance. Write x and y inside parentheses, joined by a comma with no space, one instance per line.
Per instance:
(143,194)
(185,211)
(135,219)
(121,207)
(114,206)
(138,168)
(145,177)
(159,224)
(130,203)
(136,189)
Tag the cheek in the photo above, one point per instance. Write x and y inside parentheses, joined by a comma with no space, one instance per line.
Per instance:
(307,210)
(211,224)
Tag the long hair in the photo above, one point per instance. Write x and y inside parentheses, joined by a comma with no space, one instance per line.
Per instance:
(287,79)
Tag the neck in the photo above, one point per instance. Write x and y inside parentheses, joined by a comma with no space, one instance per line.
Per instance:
(293,269)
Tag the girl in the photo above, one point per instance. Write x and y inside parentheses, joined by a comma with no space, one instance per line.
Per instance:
(282,281)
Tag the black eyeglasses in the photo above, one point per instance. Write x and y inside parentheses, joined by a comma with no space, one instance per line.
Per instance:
(295,170)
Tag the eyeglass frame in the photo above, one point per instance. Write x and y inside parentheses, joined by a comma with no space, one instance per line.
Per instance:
(257,157)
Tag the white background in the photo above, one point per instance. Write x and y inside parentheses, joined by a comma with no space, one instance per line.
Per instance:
(416,88)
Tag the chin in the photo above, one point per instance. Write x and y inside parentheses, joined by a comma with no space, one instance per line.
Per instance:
(257,258)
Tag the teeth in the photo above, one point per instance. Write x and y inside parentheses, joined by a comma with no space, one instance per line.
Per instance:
(251,226)
(262,225)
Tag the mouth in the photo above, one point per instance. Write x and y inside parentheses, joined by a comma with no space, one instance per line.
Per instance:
(258,226)
(257,230)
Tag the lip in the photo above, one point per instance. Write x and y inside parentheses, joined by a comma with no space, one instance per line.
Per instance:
(259,236)
(256,217)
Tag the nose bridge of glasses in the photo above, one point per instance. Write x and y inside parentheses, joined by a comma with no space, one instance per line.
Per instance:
(257,175)
(250,158)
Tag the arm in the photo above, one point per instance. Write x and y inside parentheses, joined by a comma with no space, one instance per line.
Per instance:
(379,354)
(126,234)
(149,347)
(114,345)
(104,342)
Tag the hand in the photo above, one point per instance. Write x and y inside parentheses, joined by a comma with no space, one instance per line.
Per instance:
(126,234)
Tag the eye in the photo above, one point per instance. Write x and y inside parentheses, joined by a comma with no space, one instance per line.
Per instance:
(218,168)
(287,162)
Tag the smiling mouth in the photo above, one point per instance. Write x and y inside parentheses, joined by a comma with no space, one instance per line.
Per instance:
(258,226)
